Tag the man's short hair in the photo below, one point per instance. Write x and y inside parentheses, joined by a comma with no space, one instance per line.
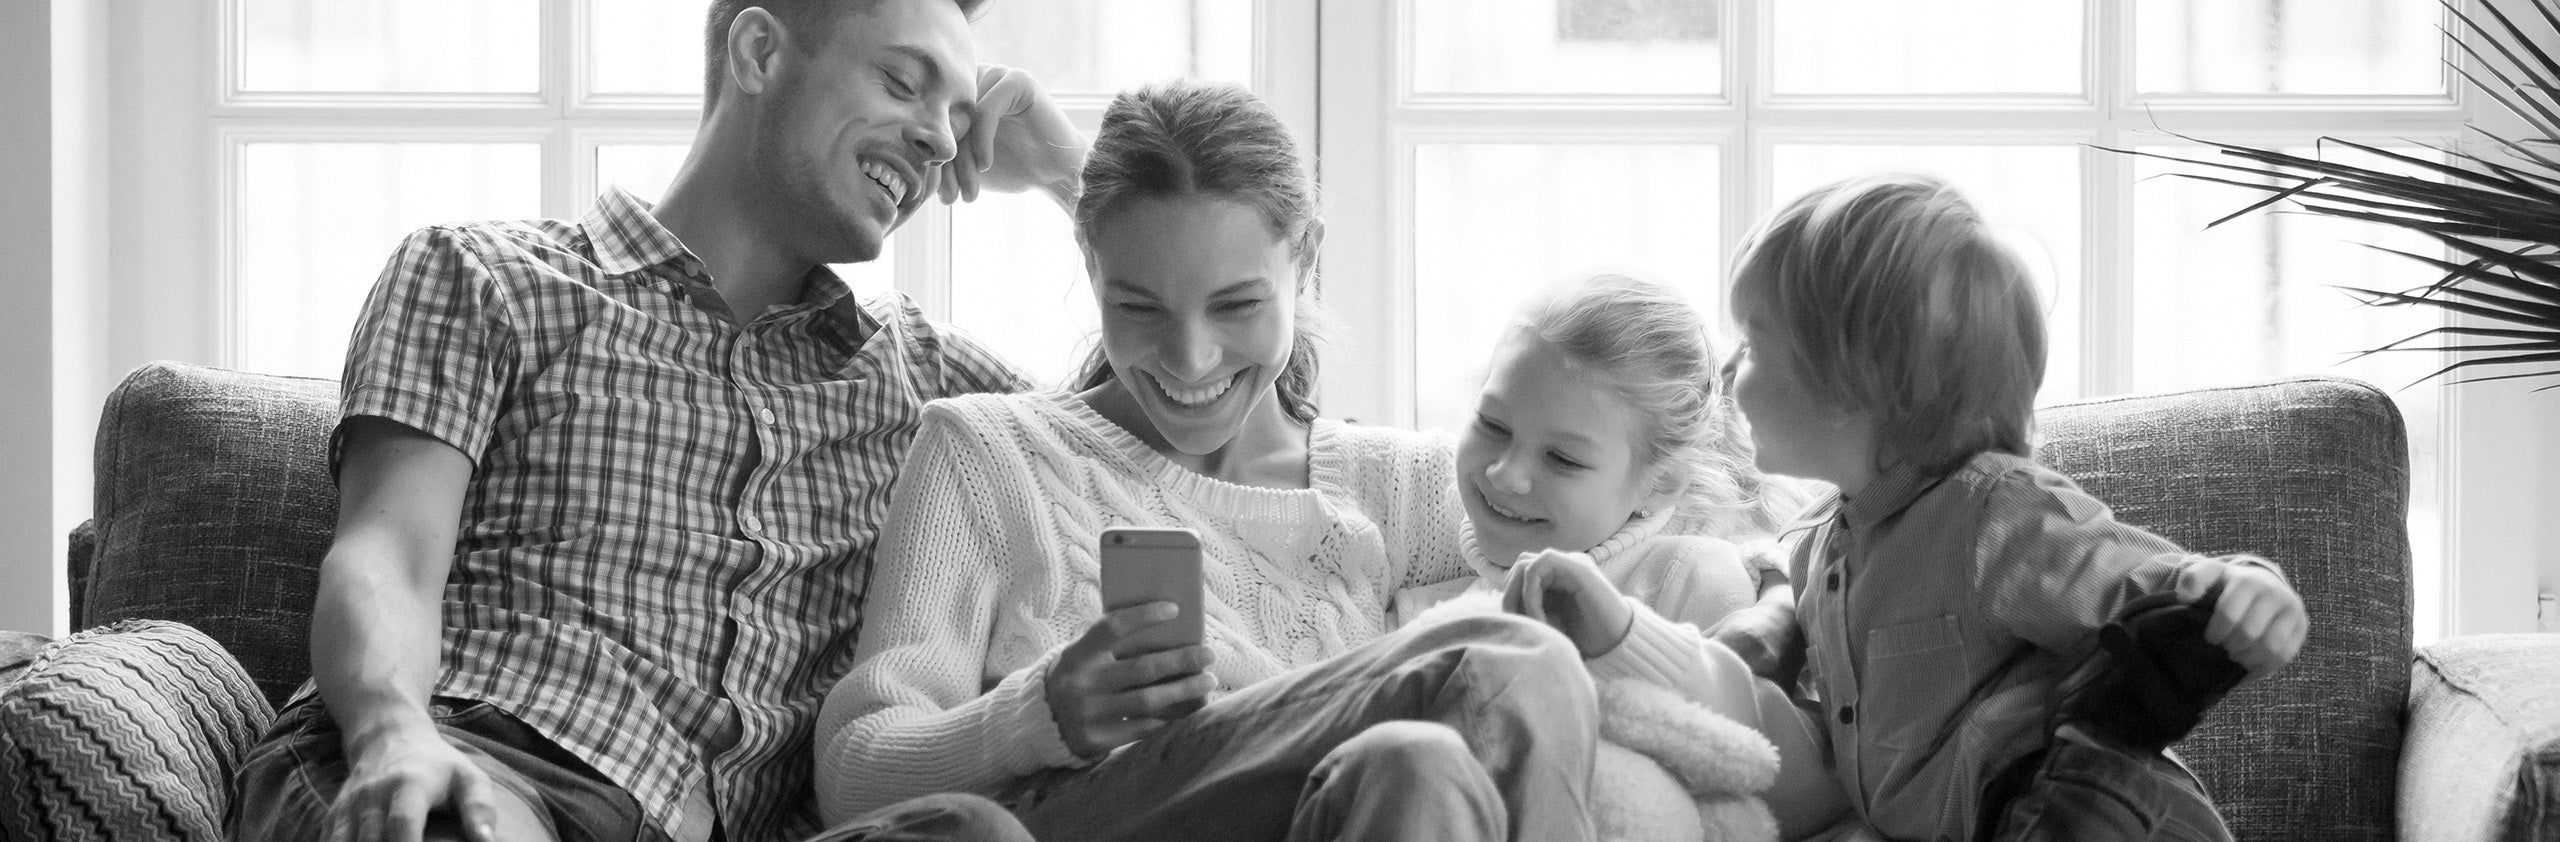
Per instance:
(797,16)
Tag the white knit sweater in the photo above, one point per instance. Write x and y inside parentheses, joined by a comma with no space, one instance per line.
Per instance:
(987,568)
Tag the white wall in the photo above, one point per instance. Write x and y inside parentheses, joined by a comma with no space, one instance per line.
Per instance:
(28,588)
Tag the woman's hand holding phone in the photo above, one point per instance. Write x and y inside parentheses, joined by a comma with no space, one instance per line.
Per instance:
(1101,701)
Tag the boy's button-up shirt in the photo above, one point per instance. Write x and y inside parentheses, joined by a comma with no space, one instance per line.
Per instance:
(1939,614)
(670,518)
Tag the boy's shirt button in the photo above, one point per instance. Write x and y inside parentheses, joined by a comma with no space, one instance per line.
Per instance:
(1833,581)
(1848,715)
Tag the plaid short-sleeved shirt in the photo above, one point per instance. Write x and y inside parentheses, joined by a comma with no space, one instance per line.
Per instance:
(663,545)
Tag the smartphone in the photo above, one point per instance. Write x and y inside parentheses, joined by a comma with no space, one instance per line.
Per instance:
(1141,565)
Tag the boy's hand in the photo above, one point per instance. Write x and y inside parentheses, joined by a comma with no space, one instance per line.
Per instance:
(2259,619)
(1567,591)
(1767,639)
(1019,141)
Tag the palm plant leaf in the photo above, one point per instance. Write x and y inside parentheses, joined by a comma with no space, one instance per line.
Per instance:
(2499,220)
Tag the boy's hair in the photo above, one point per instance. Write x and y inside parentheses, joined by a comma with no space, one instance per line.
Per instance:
(1892,297)
(798,17)
(1652,347)
(1188,137)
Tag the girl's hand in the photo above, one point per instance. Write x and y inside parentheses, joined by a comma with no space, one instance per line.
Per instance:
(1100,702)
(2259,619)
(1567,591)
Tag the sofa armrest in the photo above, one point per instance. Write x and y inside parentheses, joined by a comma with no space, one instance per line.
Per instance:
(2482,759)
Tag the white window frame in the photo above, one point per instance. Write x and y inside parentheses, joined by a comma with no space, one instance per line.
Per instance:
(1372,126)
(175,121)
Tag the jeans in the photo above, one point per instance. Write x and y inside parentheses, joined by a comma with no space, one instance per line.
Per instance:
(1479,728)
(2084,789)
(289,778)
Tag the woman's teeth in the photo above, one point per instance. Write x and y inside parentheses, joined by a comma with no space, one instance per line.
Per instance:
(1196,396)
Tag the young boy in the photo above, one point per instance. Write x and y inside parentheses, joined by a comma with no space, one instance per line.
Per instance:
(1893,349)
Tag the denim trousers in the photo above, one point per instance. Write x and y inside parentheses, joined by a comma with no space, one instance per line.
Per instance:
(2084,789)
(1480,728)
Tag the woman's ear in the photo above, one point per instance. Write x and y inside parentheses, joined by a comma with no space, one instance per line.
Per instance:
(1310,245)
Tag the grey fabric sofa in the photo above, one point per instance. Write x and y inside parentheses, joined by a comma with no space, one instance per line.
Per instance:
(213,509)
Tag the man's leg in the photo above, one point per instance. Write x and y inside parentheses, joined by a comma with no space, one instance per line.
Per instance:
(948,817)
(1515,690)
(541,792)
(1400,780)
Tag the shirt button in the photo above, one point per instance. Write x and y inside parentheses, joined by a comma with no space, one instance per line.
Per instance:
(1848,715)
(1832,581)
(765,415)
(752,523)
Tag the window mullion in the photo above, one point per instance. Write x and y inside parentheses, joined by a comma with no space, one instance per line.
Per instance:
(2106,270)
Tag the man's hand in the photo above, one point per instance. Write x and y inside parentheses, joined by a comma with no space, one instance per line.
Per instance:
(1019,141)
(1101,702)
(2259,619)
(1568,591)
(395,779)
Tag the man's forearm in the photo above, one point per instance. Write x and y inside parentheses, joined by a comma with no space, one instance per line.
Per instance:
(374,645)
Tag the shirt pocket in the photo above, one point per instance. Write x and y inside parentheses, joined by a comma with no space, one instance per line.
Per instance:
(1917,674)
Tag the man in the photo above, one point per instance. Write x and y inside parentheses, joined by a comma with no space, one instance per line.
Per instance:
(607,489)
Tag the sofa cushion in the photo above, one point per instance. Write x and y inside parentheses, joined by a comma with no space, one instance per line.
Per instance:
(131,731)
(2312,474)
(213,509)
(2483,760)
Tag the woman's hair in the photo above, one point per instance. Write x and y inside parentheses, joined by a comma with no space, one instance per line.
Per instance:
(1652,348)
(1892,297)
(1196,138)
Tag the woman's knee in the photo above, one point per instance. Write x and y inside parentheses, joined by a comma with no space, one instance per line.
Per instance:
(1507,654)
(1401,751)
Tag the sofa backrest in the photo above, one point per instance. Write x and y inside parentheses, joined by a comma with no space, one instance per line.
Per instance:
(213,508)
(2312,474)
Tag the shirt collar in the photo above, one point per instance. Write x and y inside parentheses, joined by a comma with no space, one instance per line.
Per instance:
(626,237)
(1890,493)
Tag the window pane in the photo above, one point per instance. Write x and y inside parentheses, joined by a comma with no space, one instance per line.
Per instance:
(646,46)
(1568,46)
(2289,46)
(1073,46)
(1939,47)
(407,46)
(1018,284)
(645,170)
(2255,299)
(319,220)
(1495,224)
(2029,194)
(1103,46)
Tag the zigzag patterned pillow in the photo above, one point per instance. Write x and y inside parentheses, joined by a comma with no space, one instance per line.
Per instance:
(129,731)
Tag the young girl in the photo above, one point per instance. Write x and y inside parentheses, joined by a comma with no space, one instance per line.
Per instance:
(1893,349)
(1600,431)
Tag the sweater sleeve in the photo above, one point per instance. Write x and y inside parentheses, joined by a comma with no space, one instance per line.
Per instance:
(1424,537)
(913,717)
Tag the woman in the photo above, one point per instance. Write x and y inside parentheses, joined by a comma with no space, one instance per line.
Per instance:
(986,664)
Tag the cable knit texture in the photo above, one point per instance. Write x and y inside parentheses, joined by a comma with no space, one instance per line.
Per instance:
(988,567)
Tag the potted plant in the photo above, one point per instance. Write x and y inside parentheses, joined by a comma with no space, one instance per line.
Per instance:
(2499,217)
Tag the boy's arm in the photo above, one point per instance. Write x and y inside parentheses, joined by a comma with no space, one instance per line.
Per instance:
(375,625)
(2052,564)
